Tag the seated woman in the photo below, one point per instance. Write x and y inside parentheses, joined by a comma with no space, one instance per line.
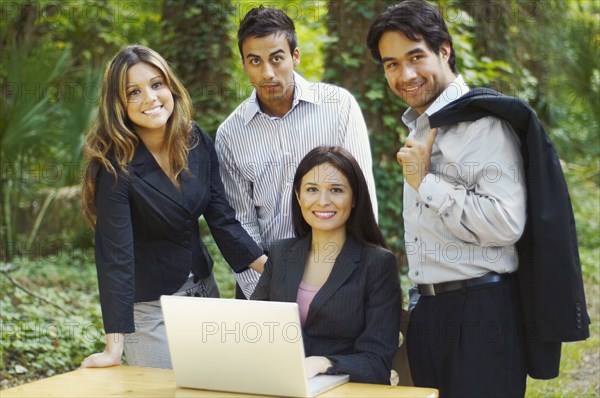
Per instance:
(337,269)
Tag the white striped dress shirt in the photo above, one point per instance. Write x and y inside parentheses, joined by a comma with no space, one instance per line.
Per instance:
(259,154)
(469,210)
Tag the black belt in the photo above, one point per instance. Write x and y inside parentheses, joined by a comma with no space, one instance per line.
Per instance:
(433,289)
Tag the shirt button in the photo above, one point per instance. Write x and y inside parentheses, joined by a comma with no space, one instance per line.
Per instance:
(446,214)
(429,198)
(416,239)
(416,273)
(427,206)
(417,204)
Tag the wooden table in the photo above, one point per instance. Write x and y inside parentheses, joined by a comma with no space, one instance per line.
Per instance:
(132,381)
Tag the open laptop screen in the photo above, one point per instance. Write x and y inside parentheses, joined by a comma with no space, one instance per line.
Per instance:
(239,346)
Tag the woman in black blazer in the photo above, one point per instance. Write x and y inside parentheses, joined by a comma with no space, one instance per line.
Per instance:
(337,269)
(151,173)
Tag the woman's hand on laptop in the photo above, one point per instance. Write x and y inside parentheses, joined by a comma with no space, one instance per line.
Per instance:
(111,355)
(315,365)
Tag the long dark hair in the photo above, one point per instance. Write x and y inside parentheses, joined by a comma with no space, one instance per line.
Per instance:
(361,224)
(418,20)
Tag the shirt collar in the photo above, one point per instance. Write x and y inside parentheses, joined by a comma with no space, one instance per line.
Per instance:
(305,91)
(451,93)
(302,92)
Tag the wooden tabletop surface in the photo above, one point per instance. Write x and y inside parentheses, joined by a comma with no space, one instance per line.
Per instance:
(132,381)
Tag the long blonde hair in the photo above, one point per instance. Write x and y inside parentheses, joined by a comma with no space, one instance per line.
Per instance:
(112,140)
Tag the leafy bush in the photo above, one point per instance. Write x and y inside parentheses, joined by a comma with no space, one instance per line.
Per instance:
(41,337)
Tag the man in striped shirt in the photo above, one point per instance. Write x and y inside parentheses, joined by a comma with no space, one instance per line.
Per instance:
(261,143)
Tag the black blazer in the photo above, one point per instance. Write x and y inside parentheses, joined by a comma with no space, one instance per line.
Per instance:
(354,319)
(147,238)
(550,280)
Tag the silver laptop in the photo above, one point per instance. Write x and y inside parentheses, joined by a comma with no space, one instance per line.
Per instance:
(240,346)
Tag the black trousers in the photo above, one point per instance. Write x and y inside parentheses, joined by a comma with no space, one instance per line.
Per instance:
(470,342)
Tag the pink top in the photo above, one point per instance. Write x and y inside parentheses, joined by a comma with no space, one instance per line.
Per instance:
(306,294)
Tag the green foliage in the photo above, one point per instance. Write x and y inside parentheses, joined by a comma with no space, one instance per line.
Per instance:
(312,37)
(27,109)
(29,99)
(43,118)
(585,197)
(196,41)
(553,66)
(39,340)
(52,54)
(50,79)
(109,25)
(570,89)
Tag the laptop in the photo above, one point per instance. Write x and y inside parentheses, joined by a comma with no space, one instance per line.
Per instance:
(243,346)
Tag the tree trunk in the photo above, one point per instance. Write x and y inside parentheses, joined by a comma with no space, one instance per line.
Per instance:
(348,62)
(196,42)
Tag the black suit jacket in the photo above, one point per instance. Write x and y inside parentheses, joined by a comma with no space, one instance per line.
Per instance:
(551,284)
(147,236)
(354,319)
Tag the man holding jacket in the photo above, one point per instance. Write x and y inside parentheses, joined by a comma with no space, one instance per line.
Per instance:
(471,214)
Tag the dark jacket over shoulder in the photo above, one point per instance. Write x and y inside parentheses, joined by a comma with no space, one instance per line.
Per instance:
(147,234)
(551,284)
(354,319)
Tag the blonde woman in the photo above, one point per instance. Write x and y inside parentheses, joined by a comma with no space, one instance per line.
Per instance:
(151,173)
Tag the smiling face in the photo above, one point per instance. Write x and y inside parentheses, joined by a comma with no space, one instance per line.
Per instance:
(326,199)
(149,99)
(414,72)
(269,64)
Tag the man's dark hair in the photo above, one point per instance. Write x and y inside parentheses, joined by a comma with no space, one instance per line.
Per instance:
(261,22)
(418,20)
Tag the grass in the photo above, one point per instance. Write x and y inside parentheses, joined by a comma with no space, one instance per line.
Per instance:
(580,361)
